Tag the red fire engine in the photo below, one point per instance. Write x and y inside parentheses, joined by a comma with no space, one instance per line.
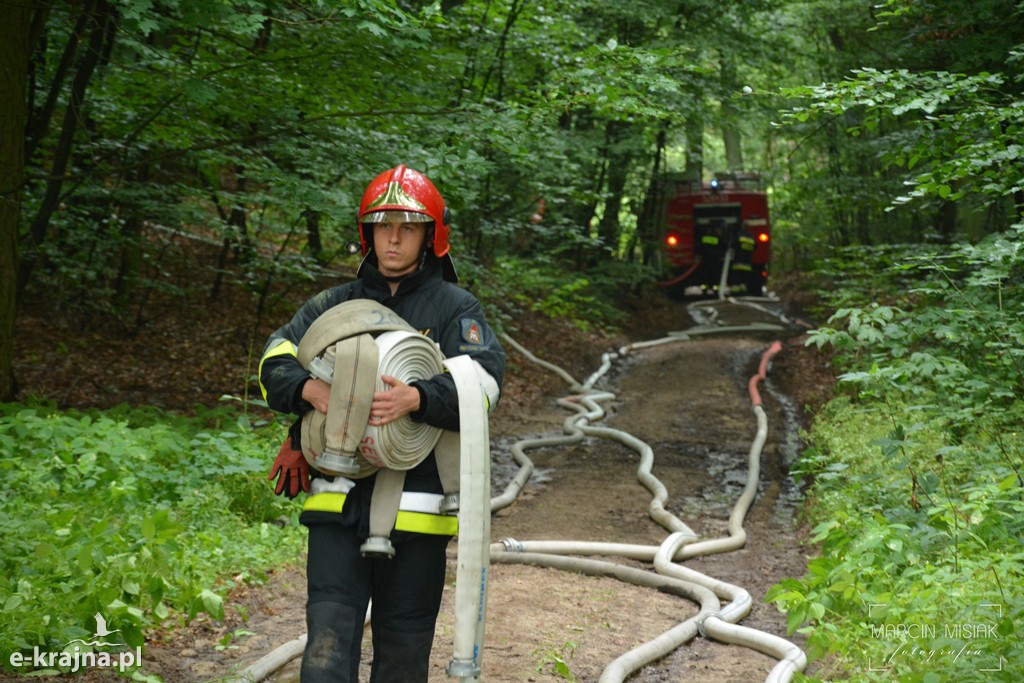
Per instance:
(715,227)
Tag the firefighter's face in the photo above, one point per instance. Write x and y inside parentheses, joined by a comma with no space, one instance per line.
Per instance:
(398,246)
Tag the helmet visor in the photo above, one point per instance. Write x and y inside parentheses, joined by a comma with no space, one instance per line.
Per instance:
(396,217)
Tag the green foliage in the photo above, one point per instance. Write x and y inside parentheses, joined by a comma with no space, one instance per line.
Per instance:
(961,132)
(271,117)
(137,515)
(618,81)
(916,474)
(912,131)
(543,286)
(558,660)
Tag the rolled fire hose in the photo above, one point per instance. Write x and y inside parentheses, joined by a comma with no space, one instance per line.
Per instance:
(387,449)
(340,348)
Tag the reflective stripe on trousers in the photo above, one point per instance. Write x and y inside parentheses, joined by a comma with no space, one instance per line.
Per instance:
(411,516)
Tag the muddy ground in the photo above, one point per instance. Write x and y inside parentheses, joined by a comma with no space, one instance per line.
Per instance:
(688,400)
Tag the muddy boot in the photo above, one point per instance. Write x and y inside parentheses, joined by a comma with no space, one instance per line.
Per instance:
(334,644)
(401,657)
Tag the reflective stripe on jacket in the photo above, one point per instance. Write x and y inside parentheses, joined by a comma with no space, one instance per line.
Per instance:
(411,514)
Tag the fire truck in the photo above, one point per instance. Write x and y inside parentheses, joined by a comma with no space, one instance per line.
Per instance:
(714,234)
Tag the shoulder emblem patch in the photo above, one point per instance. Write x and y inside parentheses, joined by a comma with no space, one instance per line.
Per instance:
(471,330)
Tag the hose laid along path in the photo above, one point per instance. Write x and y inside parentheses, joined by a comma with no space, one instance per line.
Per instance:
(713,620)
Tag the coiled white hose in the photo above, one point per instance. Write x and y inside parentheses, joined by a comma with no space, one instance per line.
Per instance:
(398,445)
(402,444)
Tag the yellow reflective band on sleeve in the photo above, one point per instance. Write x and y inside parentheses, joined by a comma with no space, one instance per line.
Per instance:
(708,239)
(284,348)
(416,522)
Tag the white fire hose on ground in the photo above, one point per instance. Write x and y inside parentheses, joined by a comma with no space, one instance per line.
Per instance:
(712,620)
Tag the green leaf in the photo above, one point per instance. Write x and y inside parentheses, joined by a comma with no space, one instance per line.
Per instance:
(213,604)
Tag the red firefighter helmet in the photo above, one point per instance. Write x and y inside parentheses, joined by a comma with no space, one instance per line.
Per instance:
(404,194)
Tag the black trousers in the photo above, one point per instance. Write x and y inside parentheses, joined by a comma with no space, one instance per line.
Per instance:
(406,592)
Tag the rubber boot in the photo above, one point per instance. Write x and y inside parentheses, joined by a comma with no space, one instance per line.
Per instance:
(334,644)
(401,657)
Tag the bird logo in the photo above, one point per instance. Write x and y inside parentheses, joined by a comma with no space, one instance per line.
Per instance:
(101,627)
(101,632)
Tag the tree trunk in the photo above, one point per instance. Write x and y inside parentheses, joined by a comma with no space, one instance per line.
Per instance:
(500,52)
(104,14)
(945,221)
(238,220)
(236,238)
(586,213)
(609,229)
(39,122)
(313,241)
(694,148)
(647,227)
(14,58)
(731,118)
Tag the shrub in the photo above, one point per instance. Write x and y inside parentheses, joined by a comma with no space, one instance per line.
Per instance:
(137,516)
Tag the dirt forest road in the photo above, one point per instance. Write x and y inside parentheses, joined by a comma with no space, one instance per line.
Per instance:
(688,401)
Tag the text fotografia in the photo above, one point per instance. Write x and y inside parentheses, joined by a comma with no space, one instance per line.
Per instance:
(75,659)
(927,654)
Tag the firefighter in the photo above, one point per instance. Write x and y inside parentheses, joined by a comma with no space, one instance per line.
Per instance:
(403,230)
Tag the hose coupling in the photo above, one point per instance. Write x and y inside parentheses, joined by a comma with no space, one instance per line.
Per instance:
(463,668)
(449,504)
(512,545)
(334,462)
(322,368)
(702,619)
(377,546)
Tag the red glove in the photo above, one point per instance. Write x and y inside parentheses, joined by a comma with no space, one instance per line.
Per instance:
(291,471)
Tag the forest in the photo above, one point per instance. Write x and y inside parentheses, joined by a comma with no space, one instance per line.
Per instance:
(888,135)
